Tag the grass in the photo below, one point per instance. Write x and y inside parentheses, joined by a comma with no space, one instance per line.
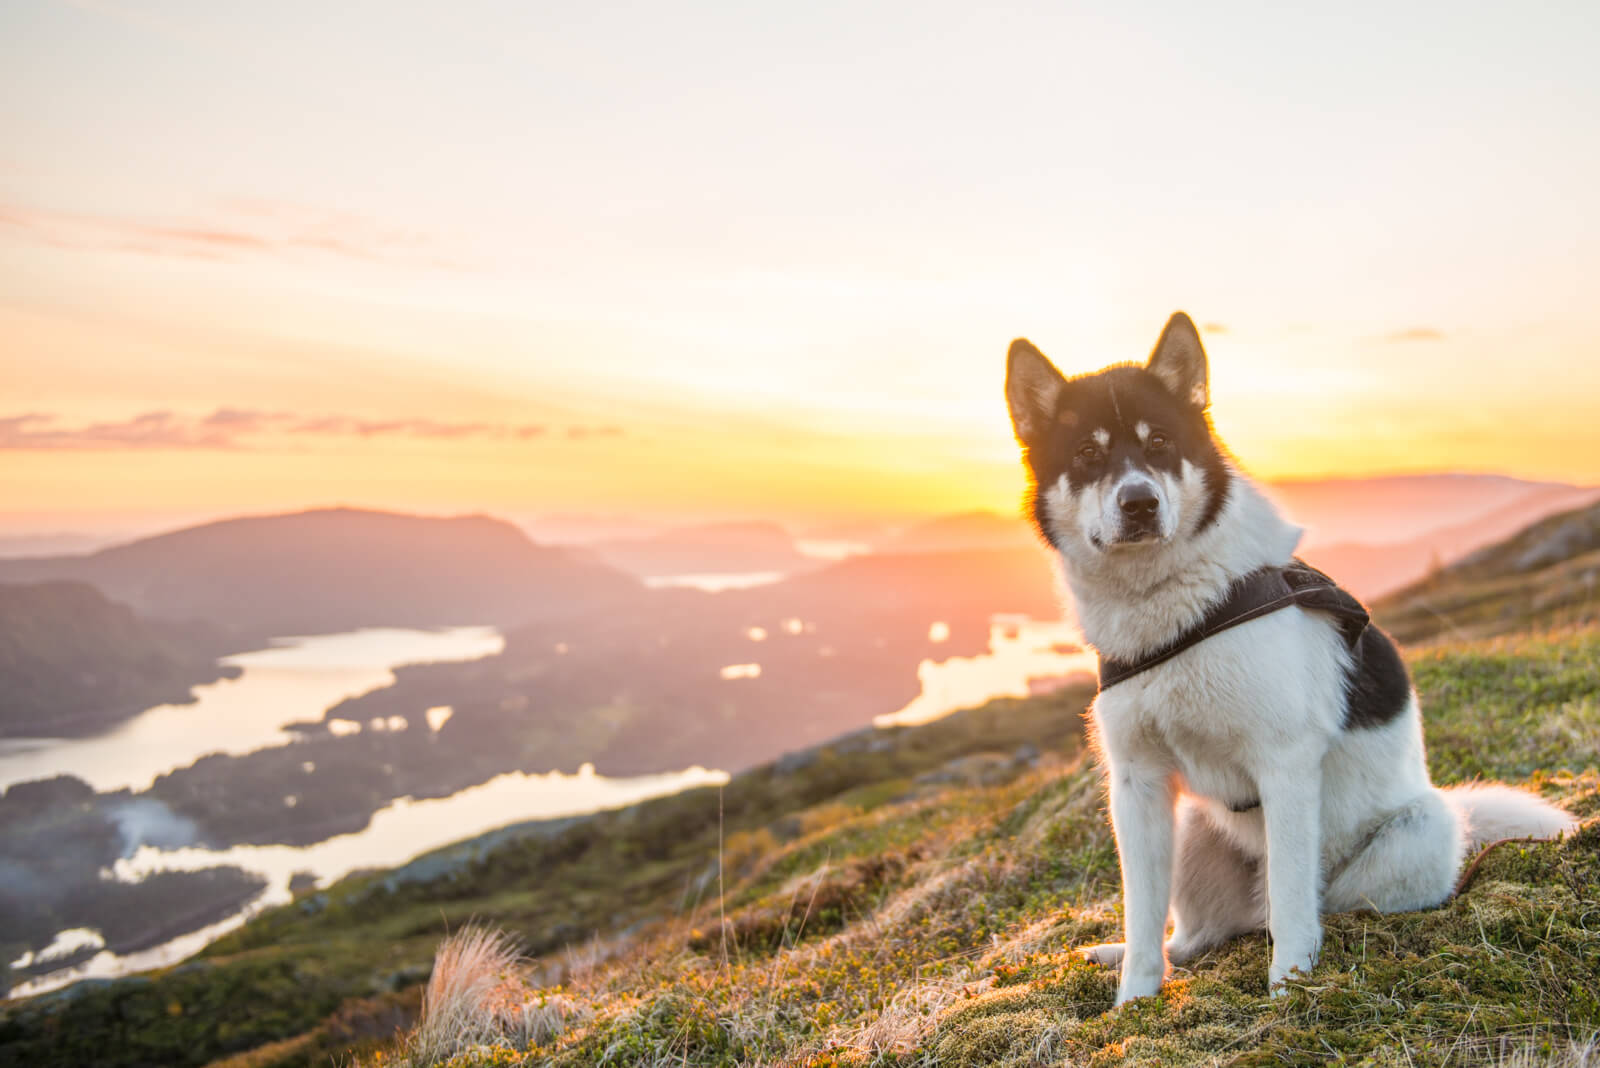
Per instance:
(893,902)
(937,928)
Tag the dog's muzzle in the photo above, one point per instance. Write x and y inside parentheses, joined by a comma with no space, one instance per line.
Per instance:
(1141,513)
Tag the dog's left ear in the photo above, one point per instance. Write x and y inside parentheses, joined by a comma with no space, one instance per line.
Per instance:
(1179,360)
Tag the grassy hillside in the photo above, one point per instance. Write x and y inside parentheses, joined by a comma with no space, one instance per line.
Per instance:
(901,898)
(937,928)
(1546,575)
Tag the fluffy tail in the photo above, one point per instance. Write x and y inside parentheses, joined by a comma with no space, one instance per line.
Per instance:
(1490,812)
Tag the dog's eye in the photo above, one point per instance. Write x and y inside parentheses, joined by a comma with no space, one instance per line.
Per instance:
(1088,451)
(1157,441)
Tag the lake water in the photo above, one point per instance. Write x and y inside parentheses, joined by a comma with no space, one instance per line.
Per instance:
(397,833)
(715,581)
(299,678)
(1026,656)
(296,679)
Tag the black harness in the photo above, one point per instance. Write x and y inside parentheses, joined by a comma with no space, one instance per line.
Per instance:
(1257,594)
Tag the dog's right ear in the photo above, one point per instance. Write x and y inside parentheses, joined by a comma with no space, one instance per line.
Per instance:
(1033,386)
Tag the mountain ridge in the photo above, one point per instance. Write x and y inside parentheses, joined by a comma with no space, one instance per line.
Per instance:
(335,569)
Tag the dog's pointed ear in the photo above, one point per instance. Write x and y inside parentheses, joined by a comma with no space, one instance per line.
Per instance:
(1179,360)
(1033,386)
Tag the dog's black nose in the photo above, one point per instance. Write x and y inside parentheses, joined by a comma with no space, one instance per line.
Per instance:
(1138,502)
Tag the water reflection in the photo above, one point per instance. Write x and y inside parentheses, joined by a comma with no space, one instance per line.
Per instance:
(1025,657)
(716,582)
(399,832)
(296,679)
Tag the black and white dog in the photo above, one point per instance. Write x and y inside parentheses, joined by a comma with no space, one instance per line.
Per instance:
(1268,771)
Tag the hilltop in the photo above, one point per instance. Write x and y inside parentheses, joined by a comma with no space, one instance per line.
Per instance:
(1547,574)
(339,569)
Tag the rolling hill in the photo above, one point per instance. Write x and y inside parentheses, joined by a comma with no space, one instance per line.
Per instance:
(338,569)
(74,662)
(1375,568)
(1545,575)
(1398,508)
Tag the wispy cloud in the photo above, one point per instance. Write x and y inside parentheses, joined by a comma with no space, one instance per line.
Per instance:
(150,430)
(244,428)
(241,229)
(1214,328)
(1415,333)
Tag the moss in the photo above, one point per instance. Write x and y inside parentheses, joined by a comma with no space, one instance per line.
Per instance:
(876,921)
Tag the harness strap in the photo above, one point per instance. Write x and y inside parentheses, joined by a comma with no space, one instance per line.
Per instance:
(1259,593)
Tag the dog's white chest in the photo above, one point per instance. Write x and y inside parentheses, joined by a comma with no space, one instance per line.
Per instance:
(1219,712)
(1214,760)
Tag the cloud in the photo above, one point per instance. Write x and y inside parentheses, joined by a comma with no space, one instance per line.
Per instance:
(149,430)
(1415,333)
(234,428)
(1214,328)
(242,420)
(241,229)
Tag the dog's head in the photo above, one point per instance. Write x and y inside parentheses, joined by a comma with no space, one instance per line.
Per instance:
(1123,461)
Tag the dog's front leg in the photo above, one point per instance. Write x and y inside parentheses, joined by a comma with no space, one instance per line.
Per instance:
(1142,813)
(1291,802)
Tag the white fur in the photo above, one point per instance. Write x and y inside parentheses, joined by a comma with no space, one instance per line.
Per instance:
(1347,818)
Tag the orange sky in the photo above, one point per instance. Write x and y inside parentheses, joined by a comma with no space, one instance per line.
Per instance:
(720,262)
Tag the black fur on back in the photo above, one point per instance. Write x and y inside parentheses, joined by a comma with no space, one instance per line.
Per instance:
(1378,687)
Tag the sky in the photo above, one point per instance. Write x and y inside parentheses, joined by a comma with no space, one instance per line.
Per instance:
(718,259)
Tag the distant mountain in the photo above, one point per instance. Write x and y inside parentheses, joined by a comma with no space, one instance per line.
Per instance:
(73,662)
(336,569)
(964,530)
(51,544)
(1545,575)
(1372,570)
(705,548)
(1374,534)
(1398,508)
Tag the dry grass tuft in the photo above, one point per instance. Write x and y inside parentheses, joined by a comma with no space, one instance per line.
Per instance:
(477,998)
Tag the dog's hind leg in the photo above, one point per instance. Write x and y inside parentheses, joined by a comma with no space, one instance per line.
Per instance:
(1410,861)
(1217,888)
(1216,892)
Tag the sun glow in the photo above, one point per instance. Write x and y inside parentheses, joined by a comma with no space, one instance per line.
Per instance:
(591,297)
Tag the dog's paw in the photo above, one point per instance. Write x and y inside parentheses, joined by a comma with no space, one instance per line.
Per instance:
(1287,964)
(1107,953)
(1129,989)
(1277,979)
